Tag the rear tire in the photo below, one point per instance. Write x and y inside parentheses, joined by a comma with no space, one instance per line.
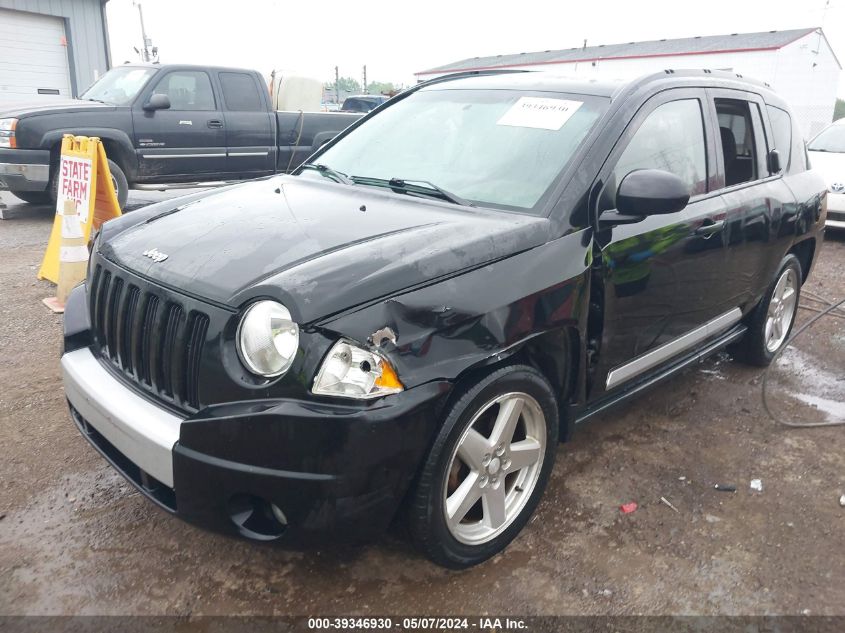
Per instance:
(487,468)
(773,318)
(34,197)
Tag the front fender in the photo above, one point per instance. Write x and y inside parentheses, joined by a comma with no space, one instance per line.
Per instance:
(120,141)
(444,329)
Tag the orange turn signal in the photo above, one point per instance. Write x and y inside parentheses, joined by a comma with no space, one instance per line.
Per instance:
(388,378)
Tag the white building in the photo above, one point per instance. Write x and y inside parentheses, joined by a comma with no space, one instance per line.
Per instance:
(799,64)
(51,47)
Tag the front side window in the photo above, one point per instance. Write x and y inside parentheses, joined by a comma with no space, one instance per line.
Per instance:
(187,90)
(501,148)
(736,133)
(119,86)
(671,138)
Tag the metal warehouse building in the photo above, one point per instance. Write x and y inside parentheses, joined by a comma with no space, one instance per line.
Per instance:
(799,64)
(51,47)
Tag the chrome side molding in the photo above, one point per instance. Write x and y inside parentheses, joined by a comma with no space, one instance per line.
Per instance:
(674,347)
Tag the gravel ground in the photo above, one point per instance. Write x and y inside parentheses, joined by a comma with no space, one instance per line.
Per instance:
(76,539)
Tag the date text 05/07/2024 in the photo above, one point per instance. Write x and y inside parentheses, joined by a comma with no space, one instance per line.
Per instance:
(417,623)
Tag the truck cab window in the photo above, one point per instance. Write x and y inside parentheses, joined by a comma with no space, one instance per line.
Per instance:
(187,90)
(671,138)
(736,132)
(240,93)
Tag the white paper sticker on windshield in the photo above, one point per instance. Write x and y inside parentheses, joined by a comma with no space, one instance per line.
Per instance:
(539,112)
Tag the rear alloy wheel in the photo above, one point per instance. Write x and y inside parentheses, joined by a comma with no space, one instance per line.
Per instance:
(487,468)
(781,310)
(772,319)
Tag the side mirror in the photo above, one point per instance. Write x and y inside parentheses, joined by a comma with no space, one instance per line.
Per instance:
(651,192)
(157,101)
(773,162)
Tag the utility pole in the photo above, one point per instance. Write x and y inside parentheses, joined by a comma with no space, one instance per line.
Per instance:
(147,42)
(337,84)
(366,92)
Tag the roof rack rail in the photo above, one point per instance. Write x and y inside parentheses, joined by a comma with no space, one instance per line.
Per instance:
(467,73)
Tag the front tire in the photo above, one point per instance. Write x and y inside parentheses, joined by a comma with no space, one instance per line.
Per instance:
(487,469)
(119,182)
(772,319)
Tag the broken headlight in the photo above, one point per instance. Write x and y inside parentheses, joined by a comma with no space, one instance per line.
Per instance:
(267,339)
(350,371)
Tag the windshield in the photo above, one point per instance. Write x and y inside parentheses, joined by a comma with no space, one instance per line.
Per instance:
(830,140)
(501,148)
(119,86)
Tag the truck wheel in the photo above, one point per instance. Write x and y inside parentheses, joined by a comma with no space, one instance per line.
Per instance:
(34,197)
(772,319)
(487,469)
(121,185)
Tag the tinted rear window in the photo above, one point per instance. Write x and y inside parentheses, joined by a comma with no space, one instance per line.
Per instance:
(240,92)
(782,132)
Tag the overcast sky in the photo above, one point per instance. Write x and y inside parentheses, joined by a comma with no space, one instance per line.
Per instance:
(395,39)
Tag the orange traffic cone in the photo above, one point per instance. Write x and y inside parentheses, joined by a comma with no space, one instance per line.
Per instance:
(73,257)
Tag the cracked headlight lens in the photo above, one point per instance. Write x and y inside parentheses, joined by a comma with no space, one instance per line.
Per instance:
(350,371)
(267,339)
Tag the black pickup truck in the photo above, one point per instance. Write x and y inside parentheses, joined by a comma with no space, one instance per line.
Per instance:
(163,124)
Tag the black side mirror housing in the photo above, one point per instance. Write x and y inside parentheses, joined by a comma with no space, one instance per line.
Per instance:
(651,192)
(773,162)
(157,101)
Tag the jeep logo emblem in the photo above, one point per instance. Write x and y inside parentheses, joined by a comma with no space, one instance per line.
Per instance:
(154,254)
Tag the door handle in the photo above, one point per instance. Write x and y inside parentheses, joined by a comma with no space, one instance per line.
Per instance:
(710,228)
(215,123)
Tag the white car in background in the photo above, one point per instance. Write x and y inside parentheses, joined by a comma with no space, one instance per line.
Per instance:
(827,156)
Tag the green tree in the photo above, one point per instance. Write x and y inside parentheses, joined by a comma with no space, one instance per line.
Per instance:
(380,87)
(347,84)
(839,109)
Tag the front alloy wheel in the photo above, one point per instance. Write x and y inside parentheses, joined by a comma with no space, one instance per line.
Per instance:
(487,468)
(493,471)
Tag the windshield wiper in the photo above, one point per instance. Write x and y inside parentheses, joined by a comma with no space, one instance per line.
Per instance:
(97,100)
(337,176)
(420,187)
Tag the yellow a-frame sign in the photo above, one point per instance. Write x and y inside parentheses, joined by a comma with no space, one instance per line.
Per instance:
(84,178)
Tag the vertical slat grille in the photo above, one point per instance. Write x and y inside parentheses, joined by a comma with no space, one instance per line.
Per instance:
(127,324)
(167,355)
(146,342)
(100,306)
(196,338)
(112,309)
(154,340)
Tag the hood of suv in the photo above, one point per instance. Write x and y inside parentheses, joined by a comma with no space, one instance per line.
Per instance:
(319,247)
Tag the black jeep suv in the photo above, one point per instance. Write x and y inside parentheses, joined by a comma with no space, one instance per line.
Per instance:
(418,315)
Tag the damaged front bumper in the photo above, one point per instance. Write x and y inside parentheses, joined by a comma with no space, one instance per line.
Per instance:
(259,468)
